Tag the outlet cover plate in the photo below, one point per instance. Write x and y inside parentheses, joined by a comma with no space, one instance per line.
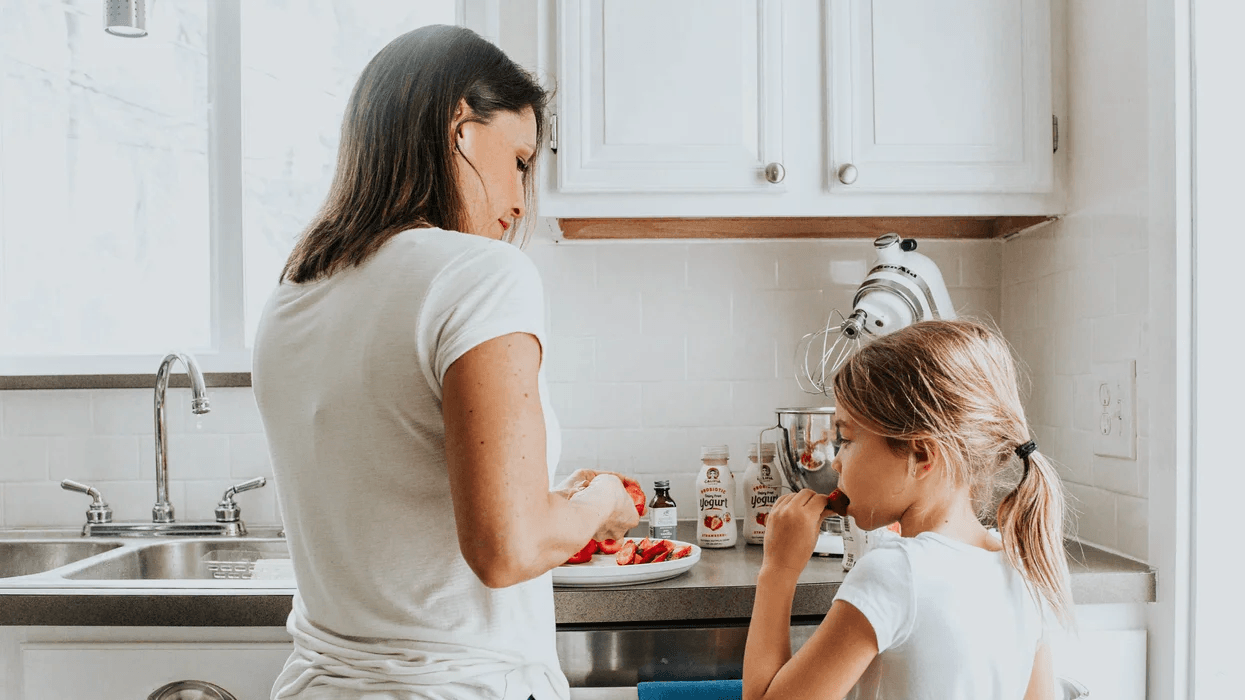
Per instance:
(1115,395)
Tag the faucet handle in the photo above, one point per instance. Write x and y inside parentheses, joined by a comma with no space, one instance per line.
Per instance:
(228,511)
(98,512)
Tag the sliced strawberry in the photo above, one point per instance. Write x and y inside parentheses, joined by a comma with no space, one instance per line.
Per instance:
(681,551)
(643,545)
(626,554)
(652,552)
(609,546)
(584,554)
(661,557)
(637,495)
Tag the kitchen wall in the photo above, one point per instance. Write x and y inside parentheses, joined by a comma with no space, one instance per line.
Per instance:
(1077,292)
(655,348)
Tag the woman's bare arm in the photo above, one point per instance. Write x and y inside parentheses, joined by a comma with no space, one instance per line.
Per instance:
(1042,678)
(511,528)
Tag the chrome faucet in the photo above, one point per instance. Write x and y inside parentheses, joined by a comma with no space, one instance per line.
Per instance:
(162,511)
(163,522)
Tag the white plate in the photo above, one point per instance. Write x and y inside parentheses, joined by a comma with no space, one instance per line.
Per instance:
(604,570)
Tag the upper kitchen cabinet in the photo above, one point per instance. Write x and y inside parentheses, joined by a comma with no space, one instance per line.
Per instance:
(947,96)
(669,97)
(798,108)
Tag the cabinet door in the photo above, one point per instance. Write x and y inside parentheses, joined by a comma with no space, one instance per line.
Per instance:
(947,96)
(658,96)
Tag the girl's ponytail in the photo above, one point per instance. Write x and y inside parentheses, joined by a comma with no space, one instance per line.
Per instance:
(1030,520)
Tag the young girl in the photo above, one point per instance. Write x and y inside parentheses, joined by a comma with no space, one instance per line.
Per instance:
(926,418)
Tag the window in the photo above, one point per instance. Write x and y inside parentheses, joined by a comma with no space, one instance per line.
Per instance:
(151,189)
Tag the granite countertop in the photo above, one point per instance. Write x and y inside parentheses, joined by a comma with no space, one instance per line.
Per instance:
(719,589)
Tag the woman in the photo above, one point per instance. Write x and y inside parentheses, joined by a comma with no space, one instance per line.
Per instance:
(398,372)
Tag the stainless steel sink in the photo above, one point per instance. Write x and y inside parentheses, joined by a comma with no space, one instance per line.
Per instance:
(22,558)
(192,559)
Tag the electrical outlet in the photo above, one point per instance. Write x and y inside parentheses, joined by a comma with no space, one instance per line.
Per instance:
(1116,408)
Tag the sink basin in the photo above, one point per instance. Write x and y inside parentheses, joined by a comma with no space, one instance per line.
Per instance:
(22,558)
(198,559)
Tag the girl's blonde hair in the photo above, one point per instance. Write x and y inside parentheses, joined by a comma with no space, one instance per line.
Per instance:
(953,383)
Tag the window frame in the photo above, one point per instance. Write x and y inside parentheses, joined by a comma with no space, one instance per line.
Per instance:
(228,360)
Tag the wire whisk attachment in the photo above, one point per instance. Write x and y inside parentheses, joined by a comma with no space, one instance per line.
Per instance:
(819,355)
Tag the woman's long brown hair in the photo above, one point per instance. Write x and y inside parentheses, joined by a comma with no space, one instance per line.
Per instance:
(954,383)
(395,164)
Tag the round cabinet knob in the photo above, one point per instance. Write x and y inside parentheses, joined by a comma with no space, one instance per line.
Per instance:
(774,172)
(848,173)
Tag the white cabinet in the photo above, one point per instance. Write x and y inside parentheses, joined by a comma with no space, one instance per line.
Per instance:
(1110,664)
(669,97)
(134,670)
(676,108)
(947,96)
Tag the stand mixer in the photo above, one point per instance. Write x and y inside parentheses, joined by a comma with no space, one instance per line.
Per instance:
(902,288)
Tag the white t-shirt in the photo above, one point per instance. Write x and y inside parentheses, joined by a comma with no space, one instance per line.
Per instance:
(348,373)
(952,621)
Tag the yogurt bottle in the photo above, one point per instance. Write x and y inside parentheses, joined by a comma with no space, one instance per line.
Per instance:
(715,492)
(762,485)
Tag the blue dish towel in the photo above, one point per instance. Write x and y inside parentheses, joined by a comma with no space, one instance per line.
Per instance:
(692,690)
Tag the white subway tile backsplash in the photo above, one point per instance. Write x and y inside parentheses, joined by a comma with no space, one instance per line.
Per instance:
(30,413)
(1117,338)
(1117,475)
(725,266)
(977,303)
(593,312)
(96,458)
(734,356)
(1092,515)
(1133,515)
(570,359)
(641,358)
(695,312)
(597,405)
(637,266)
(124,411)
(564,267)
(23,459)
(753,403)
(785,313)
(1132,282)
(1085,403)
(1093,290)
(190,457)
(1020,305)
(655,348)
(248,457)
(646,451)
(686,404)
(981,263)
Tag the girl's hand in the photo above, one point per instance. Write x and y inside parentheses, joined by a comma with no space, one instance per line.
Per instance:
(792,527)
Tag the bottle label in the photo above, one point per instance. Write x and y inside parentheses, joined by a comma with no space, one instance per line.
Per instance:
(715,525)
(760,501)
(662,523)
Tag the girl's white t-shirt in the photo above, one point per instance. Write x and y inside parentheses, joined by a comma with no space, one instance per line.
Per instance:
(348,375)
(952,621)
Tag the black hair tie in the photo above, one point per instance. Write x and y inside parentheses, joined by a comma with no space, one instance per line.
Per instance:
(1023,453)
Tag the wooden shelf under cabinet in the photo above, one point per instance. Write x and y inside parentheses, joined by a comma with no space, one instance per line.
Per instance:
(800,227)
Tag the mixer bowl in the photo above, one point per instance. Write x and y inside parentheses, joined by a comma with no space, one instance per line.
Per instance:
(806,447)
